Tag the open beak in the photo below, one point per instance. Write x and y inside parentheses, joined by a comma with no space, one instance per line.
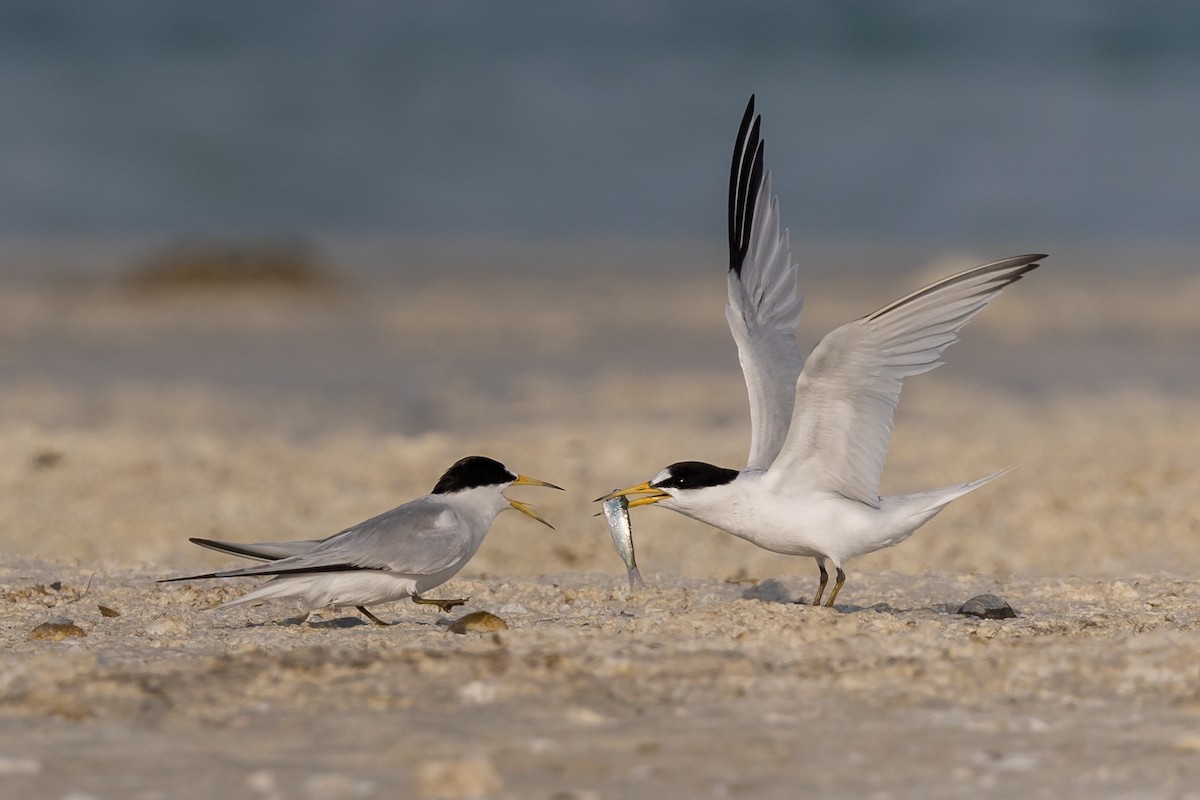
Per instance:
(651,495)
(529,512)
(525,480)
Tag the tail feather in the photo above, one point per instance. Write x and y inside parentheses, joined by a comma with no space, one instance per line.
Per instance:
(940,498)
(271,590)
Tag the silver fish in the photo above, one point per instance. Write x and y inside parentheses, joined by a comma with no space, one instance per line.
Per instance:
(616,512)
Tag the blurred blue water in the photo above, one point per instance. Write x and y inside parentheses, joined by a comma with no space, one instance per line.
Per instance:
(929,119)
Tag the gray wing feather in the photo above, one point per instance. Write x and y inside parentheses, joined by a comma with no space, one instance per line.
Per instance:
(262,551)
(421,537)
(847,394)
(764,309)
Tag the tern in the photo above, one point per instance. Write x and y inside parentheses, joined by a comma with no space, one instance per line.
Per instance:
(400,553)
(820,427)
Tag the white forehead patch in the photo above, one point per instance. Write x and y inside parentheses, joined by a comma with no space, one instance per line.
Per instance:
(662,476)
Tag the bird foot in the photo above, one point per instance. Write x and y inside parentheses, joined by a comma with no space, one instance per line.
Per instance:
(363,610)
(443,605)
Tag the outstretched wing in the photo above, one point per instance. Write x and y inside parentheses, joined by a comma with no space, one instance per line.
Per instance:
(848,392)
(764,307)
(422,537)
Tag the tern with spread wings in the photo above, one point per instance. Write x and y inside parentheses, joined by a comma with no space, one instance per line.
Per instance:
(400,553)
(820,428)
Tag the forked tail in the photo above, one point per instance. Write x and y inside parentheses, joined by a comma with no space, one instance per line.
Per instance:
(937,499)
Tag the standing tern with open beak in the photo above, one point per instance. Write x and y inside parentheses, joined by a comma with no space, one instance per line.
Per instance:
(819,430)
(400,553)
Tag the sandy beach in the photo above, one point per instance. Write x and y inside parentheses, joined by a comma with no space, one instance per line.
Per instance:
(136,417)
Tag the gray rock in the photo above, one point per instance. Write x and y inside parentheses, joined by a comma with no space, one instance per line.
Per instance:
(987,606)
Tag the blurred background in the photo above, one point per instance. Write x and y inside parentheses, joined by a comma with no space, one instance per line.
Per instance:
(268,267)
(934,121)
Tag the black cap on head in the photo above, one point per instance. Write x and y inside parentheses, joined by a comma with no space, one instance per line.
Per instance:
(472,472)
(694,475)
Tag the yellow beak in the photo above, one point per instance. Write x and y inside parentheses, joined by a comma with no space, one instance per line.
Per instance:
(525,480)
(652,495)
(527,511)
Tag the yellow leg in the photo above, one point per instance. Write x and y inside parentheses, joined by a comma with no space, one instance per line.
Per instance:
(824,581)
(444,605)
(837,587)
(363,610)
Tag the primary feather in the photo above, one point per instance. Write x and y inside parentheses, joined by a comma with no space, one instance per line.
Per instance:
(764,307)
(260,551)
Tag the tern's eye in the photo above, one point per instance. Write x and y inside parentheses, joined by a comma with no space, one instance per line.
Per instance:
(670,482)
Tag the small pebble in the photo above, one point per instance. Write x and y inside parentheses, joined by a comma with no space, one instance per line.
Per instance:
(56,630)
(105,611)
(987,606)
(478,693)
(166,626)
(1188,743)
(585,717)
(330,786)
(46,459)
(261,782)
(478,622)
(19,765)
(455,780)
